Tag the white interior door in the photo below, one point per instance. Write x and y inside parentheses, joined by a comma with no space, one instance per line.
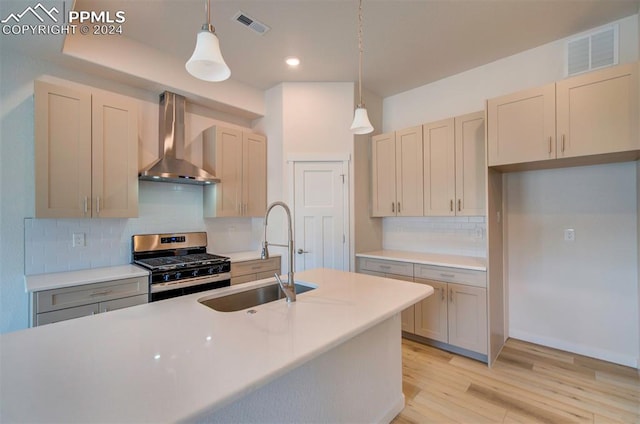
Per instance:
(320,215)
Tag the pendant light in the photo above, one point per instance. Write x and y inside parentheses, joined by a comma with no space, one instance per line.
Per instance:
(207,63)
(361,123)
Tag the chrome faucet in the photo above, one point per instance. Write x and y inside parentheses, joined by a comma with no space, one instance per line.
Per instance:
(289,288)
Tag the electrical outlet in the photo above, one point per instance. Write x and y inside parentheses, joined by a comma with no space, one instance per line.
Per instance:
(478,233)
(569,234)
(79,240)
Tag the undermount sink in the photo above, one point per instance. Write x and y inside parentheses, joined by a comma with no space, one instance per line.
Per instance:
(249,298)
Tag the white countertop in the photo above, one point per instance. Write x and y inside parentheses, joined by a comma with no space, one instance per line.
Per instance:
(249,255)
(453,261)
(166,361)
(56,280)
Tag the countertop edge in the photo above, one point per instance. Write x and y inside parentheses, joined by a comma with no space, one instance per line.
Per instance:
(452,261)
(58,280)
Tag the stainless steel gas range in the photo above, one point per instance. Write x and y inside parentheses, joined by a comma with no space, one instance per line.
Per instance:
(179,264)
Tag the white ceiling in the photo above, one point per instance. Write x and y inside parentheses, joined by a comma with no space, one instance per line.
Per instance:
(406,43)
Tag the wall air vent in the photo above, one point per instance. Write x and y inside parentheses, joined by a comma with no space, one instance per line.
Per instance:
(246,20)
(593,50)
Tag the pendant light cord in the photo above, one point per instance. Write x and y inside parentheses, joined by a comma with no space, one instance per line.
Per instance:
(207,26)
(360,104)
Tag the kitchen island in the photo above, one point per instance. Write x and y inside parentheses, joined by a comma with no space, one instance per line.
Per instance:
(332,356)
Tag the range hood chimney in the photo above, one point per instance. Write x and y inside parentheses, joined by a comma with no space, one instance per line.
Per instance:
(171,167)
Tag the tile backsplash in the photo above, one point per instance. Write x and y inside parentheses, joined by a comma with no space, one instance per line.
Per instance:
(446,235)
(163,207)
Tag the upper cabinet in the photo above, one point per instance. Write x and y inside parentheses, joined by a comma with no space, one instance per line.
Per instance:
(598,112)
(454,166)
(437,169)
(239,159)
(397,173)
(471,165)
(86,153)
(590,114)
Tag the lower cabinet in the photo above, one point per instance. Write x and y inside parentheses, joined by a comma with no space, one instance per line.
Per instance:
(252,270)
(455,316)
(391,269)
(55,305)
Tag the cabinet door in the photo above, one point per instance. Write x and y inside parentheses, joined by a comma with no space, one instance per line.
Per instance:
(439,168)
(62,151)
(409,189)
(114,157)
(521,126)
(125,302)
(470,165)
(254,175)
(598,112)
(408,315)
(222,156)
(467,313)
(65,314)
(383,175)
(431,313)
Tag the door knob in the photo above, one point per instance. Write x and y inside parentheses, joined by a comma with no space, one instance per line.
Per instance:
(300,251)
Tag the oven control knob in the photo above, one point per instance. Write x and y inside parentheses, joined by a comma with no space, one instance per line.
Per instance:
(211,270)
(166,276)
(178,275)
(194,273)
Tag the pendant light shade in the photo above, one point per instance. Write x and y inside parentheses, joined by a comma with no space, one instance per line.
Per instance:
(361,123)
(206,62)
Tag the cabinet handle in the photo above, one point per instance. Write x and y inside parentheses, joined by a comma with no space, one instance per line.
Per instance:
(459,205)
(562,143)
(385,266)
(393,206)
(451,205)
(451,295)
(442,274)
(550,140)
(441,294)
(102,293)
(98,205)
(398,207)
(86,205)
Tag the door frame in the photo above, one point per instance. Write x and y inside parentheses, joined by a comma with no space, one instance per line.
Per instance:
(344,159)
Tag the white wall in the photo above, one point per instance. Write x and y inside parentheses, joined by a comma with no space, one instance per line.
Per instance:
(162,207)
(579,296)
(530,316)
(311,119)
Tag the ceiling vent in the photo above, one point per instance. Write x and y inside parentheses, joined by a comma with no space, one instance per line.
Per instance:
(246,20)
(593,50)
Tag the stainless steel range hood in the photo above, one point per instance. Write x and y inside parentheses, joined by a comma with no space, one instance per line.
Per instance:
(171,167)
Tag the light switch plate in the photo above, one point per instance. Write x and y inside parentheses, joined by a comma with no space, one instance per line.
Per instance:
(79,240)
(569,234)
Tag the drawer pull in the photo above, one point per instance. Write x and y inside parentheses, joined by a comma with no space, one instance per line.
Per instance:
(256,267)
(442,274)
(102,293)
(451,295)
(385,266)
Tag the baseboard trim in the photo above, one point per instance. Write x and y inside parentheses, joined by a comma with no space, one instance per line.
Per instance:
(446,346)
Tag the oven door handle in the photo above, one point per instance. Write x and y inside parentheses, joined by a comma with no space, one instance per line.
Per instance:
(189,282)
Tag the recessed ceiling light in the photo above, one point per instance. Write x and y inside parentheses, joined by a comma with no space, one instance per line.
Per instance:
(292,61)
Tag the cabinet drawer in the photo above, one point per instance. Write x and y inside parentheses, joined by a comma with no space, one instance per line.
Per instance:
(243,279)
(64,314)
(452,275)
(254,267)
(68,297)
(388,267)
(112,305)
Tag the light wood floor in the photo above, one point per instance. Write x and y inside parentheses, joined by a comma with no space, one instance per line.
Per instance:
(528,384)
